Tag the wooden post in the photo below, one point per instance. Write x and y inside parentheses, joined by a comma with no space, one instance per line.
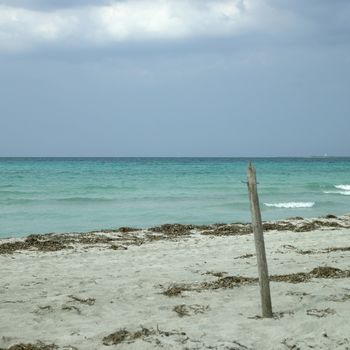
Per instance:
(259,243)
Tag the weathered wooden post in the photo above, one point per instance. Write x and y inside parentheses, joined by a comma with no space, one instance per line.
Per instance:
(259,243)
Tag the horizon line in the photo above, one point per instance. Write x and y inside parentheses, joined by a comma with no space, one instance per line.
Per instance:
(241,157)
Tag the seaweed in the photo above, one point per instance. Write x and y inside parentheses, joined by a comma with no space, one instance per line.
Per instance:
(125,336)
(189,310)
(229,282)
(87,301)
(29,346)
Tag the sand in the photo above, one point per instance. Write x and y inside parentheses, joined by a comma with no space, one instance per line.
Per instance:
(177,288)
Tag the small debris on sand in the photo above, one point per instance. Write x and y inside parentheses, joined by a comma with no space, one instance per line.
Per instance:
(71,308)
(125,336)
(215,274)
(37,346)
(189,310)
(118,247)
(320,313)
(88,301)
(245,256)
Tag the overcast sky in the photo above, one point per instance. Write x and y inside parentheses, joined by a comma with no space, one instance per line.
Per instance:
(174,77)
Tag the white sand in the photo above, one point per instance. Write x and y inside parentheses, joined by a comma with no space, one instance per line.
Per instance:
(35,290)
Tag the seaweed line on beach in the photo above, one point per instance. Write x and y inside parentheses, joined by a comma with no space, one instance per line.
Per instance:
(166,339)
(56,242)
(29,346)
(237,281)
(121,238)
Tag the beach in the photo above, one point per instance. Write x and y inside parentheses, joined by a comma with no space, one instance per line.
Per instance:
(177,287)
(141,143)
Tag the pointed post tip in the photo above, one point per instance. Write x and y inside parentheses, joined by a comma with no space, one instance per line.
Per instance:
(251,167)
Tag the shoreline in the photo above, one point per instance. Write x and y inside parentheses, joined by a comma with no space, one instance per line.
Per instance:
(177,287)
(137,236)
(54,196)
(197,225)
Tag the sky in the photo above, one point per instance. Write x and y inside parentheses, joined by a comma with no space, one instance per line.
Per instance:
(216,78)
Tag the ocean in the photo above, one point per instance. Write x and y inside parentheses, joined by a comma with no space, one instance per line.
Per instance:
(42,195)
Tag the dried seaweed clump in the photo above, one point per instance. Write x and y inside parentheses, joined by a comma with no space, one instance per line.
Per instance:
(173,229)
(37,346)
(11,247)
(330,216)
(318,272)
(175,290)
(125,336)
(279,226)
(126,229)
(87,301)
(294,224)
(93,239)
(298,277)
(316,224)
(245,256)
(329,272)
(229,230)
(320,313)
(181,310)
(227,282)
(56,242)
(45,243)
(188,310)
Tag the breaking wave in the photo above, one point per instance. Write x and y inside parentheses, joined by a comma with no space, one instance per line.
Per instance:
(289,205)
(344,193)
(343,187)
(344,190)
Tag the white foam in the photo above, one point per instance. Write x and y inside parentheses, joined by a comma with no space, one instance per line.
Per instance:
(343,187)
(344,193)
(291,205)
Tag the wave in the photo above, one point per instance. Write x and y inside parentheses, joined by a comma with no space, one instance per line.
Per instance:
(343,187)
(344,193)
(289,205)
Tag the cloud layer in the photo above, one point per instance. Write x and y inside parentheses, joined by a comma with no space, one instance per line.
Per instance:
(28,24)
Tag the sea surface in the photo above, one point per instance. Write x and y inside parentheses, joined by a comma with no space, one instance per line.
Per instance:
(41,195)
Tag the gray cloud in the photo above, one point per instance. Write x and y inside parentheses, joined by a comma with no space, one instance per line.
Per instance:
(27,26)
(47,5)
(93,29)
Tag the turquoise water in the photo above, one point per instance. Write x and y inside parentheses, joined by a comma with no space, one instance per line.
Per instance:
(40,195)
